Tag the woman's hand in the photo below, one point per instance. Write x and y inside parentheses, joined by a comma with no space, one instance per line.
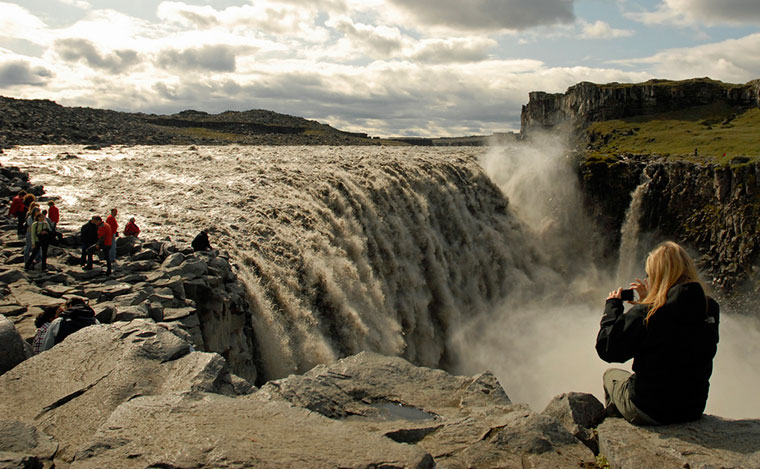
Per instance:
(641,287)
(615,294)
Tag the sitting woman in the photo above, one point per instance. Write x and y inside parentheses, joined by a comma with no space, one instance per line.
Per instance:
(672,336)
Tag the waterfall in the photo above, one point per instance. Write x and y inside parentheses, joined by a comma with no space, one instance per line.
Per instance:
(629,262)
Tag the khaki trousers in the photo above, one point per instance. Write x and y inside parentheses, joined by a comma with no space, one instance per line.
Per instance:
(617,391)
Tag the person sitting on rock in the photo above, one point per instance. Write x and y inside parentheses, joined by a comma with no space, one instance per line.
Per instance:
(41,235)
(89,237)
(76,315)
(201,242)
(131,229)
(672,335)
(17,211)
(42,322)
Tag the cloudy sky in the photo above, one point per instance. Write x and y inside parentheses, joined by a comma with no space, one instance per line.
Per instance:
(387,67)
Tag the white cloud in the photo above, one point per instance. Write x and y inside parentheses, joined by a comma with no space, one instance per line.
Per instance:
(601,30)
(705,12)
(733,61)
(18,22)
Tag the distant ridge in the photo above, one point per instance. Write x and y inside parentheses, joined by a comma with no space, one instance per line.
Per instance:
(39,122)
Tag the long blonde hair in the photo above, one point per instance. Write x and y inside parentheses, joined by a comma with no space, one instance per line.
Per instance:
(668,264)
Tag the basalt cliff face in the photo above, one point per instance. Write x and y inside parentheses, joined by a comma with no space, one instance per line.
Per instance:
(589,102)
(709,205)
(713,209)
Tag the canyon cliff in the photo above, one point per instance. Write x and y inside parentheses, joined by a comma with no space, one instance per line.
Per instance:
(709,203)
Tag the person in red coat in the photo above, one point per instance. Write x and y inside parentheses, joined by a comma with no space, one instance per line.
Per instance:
(132,229)
(105,241)
(53,214)
(111,220)
(17,211)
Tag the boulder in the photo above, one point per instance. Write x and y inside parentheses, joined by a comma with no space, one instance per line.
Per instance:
(173,260)
(193,267)
(127,245)
(21,442)
(71,389)
(578,413)
(710,442)
(460,421)
(13,349)
(10,276)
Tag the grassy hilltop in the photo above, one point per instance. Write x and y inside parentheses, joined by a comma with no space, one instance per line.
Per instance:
(714,130)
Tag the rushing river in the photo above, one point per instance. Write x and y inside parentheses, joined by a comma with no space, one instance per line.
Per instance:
(461,258)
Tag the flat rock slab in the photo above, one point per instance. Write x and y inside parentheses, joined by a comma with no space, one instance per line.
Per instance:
(710,442)
(210,430)
(461,421)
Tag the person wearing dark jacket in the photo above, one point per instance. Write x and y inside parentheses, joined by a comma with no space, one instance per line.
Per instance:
(76,315)
(89,237)
(201,242)
(672,336)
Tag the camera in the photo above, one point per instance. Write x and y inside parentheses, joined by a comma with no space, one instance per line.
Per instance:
(626,295)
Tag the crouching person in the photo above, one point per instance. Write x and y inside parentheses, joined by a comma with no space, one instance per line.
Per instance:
(76,315)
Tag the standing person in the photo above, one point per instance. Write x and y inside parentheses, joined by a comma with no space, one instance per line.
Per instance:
(111,220)
(41,235)
(42,322)
(105,240)
(89,237)
(672,336)
(29,200)
(132,229)
(53,214)
(76,315)
(31,217)
(17,211)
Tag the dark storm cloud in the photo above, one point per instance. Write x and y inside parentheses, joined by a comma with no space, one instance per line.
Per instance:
(489,14)
(740,11)
(19,72)
(217,58)
(75,50)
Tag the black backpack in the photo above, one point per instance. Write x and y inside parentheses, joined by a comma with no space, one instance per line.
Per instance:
(78,317)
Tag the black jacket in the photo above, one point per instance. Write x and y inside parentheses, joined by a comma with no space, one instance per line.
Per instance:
(201,242)
(73,319)
(89,234)
(672,354)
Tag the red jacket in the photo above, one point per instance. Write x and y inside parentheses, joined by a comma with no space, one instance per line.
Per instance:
(53,214)
(17,206)
(111,220)
(105,233)
(131,229)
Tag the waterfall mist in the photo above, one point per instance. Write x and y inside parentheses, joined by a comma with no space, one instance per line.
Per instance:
(540,342)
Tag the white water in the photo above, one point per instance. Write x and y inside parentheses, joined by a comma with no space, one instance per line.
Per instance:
(629,265)
(407,252)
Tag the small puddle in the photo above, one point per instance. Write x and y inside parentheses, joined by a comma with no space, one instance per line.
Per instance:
(393,411)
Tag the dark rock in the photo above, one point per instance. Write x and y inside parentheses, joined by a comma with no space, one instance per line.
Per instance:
(10,276)
(578,413)
(13,349)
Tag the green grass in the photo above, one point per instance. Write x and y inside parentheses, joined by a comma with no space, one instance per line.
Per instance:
(714,130)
